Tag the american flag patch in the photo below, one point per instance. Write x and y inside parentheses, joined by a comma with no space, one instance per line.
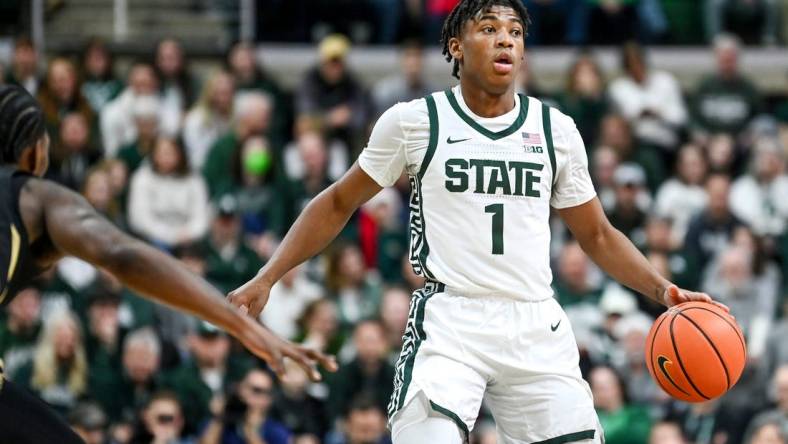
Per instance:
(532,138)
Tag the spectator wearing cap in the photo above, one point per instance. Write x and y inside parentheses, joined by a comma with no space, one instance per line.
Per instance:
(146,120)
(409,84)
(73,153)
(682,196)
(726,100)
(574,282)
(100,85)
(207,376)
(117,117)
(88,420)
(229,262)
(616,133)
(123,389)
(288,299)
(369,373)
(19,332)
(210,118)
(760,198)
(330,97)
(650,100)
(710,231)
(168,204)
(628,214)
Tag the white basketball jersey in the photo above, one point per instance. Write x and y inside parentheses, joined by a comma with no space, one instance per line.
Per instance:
(480,202)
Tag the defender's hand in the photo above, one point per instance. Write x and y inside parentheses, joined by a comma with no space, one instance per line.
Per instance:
(273,349)
(674,295)
(251,297)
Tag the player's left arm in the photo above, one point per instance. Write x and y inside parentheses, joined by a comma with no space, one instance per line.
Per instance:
(616,255)
(577,204)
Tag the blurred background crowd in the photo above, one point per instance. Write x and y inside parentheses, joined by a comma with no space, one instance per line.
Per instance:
(213,165)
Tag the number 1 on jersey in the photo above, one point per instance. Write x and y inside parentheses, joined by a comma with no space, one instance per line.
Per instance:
(497,226)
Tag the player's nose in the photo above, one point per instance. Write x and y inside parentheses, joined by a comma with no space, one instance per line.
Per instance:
(504,39)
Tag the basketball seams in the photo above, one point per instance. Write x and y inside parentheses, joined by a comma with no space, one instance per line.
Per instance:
(735,328)
(651,364)
(678,359)
(714,347)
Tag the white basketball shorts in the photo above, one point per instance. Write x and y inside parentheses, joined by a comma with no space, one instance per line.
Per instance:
(520,356)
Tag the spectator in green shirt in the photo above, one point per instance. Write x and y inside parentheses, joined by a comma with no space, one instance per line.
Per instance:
(229,262)
(726,100)
(623,423)
(146,119)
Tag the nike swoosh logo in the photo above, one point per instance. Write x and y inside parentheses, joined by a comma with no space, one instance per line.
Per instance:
(663,362)
(450,141)
(555,327)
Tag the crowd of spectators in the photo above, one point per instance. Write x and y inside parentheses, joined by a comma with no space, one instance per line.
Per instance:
(214,170)
(554,22)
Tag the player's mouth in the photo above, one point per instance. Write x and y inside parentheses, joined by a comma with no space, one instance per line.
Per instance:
(503,63)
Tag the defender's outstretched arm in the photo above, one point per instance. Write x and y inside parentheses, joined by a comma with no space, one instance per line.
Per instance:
(76,229)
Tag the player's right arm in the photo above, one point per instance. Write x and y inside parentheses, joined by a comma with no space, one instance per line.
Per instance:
(319,223)
(380,164)
(75,228)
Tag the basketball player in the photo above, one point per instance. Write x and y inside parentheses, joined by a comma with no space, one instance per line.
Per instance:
(41,221)
(485,167)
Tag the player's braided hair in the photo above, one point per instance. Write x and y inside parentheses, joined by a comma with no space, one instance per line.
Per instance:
(21,122)
(468,9)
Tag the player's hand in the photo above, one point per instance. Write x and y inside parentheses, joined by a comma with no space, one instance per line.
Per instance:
(273,349)
(674,295)
(251,297)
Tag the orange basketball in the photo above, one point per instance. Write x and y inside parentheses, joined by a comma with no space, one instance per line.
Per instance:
(695,351)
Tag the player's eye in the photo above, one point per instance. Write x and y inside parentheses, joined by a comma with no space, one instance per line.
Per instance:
(488,29)
(517,32)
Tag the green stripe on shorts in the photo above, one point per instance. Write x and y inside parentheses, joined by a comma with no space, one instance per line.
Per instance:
(571,437)
(453,416)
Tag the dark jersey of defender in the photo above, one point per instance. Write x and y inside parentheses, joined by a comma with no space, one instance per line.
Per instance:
(17,268)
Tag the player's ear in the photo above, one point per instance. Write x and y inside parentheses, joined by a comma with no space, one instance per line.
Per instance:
(455,48)
(41,150)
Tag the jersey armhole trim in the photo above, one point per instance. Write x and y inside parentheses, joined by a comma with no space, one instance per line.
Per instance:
(548,134)
(432,112)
